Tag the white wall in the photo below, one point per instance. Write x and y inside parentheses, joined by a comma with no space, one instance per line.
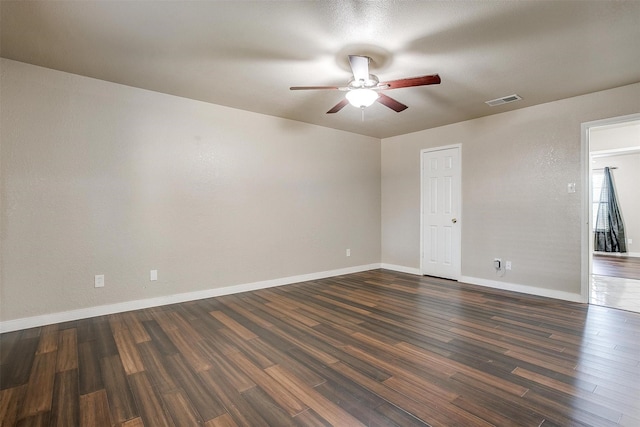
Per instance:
(515,205)
(99,178)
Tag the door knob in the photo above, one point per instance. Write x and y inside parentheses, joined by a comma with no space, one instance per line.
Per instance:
(454,220)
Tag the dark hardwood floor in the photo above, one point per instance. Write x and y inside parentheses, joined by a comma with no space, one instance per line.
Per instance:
(616,266)
(377,348)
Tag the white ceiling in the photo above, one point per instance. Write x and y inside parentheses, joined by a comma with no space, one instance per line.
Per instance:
(246,54)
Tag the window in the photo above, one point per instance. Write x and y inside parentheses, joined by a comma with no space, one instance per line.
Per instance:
(597,179)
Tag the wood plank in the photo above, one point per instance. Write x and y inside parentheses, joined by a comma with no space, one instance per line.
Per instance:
(418,408)
(245,347)
(121,402)
(10,401)
(41,419)
(48,339)
(502,384)
(273,414)
(186,329)
(154,364)
(278,357)
(128,351)
(556,406)
(17,368)
(40,388)
(248,314)
(281,396)
(66,399)
(234,326)
(67,350)
(340,382)
(94,410)
(548,381)
(103,337)
(351,403)
(398,416)
(238,408)
(160,340)
(86,330)
(90,377)
(492,404)
(205,402)
(404,377)
(135,326)
(181,409)
(8,341)
(135,422)
(223,368)
(152,411)
(190,351)
(325,408)
(310,418)
(223,420)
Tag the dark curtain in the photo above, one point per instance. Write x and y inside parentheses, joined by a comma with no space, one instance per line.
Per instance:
(609,231)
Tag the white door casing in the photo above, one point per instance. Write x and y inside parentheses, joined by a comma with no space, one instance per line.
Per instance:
(440,218)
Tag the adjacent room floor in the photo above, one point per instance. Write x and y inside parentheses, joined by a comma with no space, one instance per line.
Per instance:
(616,282)
(616,292)
(377,348)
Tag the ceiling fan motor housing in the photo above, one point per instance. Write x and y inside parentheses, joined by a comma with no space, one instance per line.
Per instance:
(372,81)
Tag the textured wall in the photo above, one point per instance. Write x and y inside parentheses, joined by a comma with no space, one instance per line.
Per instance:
(515,205)
(99,178)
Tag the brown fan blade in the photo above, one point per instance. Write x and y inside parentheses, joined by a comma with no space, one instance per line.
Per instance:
(391,103)
(433,79)
(339,106)
(359,67)
(314,87)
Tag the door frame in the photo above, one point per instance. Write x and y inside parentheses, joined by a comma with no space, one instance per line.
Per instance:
(587,195)
(458,266)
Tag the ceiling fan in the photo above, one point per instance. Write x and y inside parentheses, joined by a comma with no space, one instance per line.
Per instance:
(365,89)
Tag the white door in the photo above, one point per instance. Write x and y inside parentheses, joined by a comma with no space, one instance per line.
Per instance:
(441,212)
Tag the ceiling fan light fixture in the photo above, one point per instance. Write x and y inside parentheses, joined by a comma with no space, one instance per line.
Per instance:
(361,98)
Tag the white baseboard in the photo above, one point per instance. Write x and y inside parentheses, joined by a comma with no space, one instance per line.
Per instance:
(84,313)
(401,269)
(532,290)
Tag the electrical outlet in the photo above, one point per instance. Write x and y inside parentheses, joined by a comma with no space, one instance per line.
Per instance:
(508,265)
(348,252)
(497,263)
(99,281)
(153,275)
(630,241)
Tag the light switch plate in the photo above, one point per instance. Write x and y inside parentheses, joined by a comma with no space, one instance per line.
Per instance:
(99,281)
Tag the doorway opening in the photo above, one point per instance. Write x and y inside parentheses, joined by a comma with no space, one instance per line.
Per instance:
(611,273)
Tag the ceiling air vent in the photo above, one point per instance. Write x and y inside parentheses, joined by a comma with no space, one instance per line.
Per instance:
(503,100)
